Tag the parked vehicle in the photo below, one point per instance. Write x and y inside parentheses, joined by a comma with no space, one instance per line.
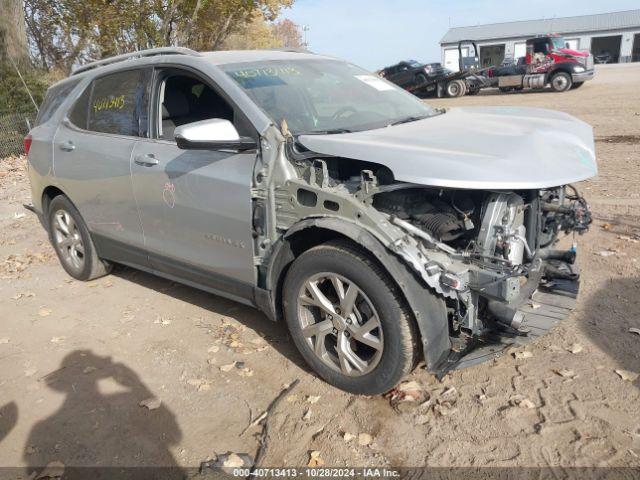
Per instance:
(548,63)
(381,230)
(429,80)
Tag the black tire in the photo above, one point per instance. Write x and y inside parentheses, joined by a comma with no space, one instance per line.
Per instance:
(420,79)
(398,331)
(561,82)
(91,266)
(577,85)
(455,88)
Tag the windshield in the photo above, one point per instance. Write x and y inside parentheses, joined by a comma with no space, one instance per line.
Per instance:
(325,96)
(558,43)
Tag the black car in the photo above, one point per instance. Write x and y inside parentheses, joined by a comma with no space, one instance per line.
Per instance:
(411,74)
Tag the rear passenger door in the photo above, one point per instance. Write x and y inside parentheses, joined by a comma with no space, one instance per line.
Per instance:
(92,155)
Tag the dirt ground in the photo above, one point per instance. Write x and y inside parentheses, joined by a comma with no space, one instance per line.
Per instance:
(76,359)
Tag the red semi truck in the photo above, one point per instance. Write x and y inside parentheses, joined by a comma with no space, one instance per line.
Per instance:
(549,61)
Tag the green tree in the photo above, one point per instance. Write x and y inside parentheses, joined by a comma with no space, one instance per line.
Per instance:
(63,33)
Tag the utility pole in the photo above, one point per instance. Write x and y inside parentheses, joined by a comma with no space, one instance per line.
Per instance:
(305,40)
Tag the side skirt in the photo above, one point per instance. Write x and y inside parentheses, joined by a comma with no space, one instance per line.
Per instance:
(179,272)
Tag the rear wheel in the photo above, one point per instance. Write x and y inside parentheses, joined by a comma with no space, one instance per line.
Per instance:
(561,82)
(349,320)
(71,241)
(455,88)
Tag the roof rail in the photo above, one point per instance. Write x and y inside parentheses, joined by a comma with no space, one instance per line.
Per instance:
(139,54)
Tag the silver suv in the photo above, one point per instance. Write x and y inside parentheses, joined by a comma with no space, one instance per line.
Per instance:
(383,231)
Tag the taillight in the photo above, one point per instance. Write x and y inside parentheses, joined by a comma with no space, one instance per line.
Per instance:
(27,144)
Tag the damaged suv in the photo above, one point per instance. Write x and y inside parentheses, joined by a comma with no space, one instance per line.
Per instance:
(383,231)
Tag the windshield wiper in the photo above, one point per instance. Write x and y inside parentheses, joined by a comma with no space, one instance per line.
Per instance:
(331,131)
(413,118)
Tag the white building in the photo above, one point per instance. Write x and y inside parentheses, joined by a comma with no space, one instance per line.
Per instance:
(616,34)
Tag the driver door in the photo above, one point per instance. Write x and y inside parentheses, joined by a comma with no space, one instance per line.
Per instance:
(195,205)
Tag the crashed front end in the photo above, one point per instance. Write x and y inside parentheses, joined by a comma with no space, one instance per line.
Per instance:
(491,255)
(488,254)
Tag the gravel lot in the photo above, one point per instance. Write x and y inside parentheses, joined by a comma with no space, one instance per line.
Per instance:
(76,359)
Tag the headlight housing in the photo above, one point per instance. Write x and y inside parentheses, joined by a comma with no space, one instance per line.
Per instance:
(578,69)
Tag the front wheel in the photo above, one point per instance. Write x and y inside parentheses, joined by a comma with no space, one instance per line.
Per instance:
(71,241)
(561,82)
(349,320)
(577,85)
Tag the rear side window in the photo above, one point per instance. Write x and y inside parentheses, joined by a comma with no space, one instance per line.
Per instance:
(52,101)
(115,103)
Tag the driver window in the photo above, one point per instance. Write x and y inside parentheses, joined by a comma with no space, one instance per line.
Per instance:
(185,99)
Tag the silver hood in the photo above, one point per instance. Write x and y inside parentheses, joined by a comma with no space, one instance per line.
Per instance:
(475,147)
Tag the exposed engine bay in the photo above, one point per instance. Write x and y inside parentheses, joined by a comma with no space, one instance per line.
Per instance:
(484,252)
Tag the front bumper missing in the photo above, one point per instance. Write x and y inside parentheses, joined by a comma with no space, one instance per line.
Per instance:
(550,303)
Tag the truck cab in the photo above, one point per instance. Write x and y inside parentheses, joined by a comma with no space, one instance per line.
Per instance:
(550,55)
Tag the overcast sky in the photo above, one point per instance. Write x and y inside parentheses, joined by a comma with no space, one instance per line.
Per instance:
(376,33)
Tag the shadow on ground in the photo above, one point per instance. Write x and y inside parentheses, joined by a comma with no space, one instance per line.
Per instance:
(609,314)
(100,423)
(275,333)
(8,419)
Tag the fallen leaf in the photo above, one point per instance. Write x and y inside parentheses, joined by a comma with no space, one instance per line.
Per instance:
(204,387)
(565,373)
(627,376)
(228,367)
(107,284)
(521,401)
(214,349)
(315,460)
(18,216)
(162,321)
(606,253)
(4,340)
(307,415)
(313,399)
(246,372)
(44,312)
(235,344)
(575,348)
(635,330)
(364,439)
(233,461)
(89,369)
(347,437)
(57,339)
(522,355)
(606,226)
(151,403)
(291,398)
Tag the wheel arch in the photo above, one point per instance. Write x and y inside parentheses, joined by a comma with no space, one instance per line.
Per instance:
(432,325)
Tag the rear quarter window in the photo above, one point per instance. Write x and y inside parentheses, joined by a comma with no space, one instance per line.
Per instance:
(55,97)
(114,103)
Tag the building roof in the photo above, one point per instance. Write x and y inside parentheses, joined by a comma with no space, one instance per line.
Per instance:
(526,28)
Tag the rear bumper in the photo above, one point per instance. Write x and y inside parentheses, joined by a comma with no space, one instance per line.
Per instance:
(583,77)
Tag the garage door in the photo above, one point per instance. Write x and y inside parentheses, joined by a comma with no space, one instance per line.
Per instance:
(451,58)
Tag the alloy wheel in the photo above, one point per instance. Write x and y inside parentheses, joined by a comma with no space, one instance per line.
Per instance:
(340,324)
(68,240)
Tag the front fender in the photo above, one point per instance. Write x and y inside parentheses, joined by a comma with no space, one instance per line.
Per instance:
(428,309)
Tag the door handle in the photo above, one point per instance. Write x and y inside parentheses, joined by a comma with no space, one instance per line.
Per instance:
(146,160)
(67,146)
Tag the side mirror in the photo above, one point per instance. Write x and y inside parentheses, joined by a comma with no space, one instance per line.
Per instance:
(212,134)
